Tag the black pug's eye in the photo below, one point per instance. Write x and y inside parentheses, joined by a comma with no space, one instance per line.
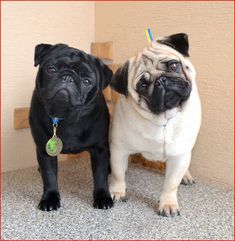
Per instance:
(174,66)
(51,69)
(86,82)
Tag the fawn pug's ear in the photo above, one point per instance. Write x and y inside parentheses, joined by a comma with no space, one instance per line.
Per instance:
(178,41)
(119,82)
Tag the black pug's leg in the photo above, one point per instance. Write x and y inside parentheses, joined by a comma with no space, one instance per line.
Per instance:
(48,168)
(100,168)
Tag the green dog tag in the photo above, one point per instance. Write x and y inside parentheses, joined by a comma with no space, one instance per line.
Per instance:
(54,146)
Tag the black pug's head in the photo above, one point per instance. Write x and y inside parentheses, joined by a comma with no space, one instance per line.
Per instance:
(69,80)
(159,77)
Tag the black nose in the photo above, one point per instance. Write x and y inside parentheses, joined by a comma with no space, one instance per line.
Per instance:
(161,80)
(67,78)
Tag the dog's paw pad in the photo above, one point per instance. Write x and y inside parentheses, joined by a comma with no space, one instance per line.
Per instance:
(168,210)
(103,200)
(50,201)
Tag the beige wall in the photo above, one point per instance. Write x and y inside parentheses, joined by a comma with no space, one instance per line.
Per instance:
(25,24)
(210,29)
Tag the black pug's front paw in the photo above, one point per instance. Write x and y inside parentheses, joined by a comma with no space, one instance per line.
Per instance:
(102,199)
(50,201)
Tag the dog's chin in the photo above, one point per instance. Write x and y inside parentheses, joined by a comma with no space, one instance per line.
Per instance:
(167,105)
(62,96)
(56,109)
(67,113)
(63,103)
(158,111)
(58,105)
(159,108)
(65,110)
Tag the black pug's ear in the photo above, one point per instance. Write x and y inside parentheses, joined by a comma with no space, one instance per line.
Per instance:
(119,81)
(178,42)
(40,51)
(105,73)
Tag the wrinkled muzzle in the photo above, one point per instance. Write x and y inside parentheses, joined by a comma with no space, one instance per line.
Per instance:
(168,92)
(61,96)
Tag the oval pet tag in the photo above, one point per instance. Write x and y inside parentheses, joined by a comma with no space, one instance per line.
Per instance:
(54,146)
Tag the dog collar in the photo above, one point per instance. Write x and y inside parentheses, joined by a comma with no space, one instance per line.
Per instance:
(55,120)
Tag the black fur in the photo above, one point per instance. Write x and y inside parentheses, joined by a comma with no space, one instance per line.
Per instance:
(177,41)
(86,118)
(168,92)
(120,79)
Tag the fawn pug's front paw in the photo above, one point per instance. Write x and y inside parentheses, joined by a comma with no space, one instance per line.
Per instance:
(117,190)
(168,207)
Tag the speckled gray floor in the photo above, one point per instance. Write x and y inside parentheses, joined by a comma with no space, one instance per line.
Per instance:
(206,211)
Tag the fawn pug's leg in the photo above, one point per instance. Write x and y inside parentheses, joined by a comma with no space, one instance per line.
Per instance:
(119,164)
(176,167)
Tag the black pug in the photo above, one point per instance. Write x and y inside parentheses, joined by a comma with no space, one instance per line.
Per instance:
(69,86)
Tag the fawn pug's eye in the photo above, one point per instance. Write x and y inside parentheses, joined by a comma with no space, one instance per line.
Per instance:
(174,66)
(142,84)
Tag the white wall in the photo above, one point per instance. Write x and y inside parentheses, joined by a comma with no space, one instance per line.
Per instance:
(24,25)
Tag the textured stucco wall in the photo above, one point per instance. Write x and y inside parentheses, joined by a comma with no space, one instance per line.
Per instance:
(25,24)
(210,29)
